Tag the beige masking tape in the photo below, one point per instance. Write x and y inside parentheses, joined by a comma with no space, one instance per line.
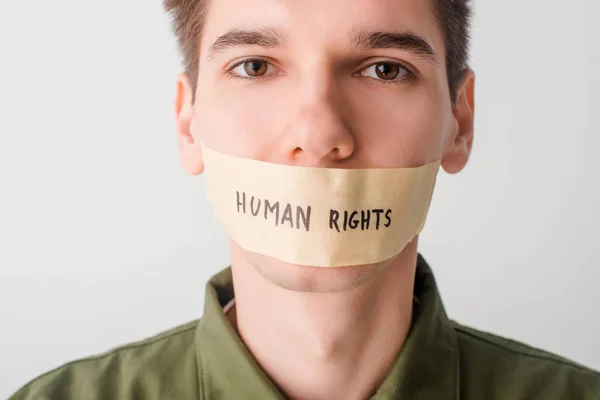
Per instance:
(324,217)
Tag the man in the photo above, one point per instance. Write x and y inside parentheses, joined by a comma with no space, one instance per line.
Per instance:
(321,126)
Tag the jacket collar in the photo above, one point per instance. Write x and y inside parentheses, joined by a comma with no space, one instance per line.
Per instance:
(426,368)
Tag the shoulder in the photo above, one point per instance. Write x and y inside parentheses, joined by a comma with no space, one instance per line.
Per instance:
(509,369)
(160,366)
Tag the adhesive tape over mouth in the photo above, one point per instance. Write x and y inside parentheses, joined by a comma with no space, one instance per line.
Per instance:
(322,217)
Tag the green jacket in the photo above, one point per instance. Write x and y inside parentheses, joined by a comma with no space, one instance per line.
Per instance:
(206,360)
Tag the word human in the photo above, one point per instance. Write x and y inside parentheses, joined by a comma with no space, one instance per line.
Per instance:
(280,214)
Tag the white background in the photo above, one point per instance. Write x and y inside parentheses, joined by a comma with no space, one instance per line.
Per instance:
(105,240)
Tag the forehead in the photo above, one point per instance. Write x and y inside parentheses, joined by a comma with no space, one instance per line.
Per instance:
(323,22)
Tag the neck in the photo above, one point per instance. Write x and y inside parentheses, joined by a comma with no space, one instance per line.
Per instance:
(326,345)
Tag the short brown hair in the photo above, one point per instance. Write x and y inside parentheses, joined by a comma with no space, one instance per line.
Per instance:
(454,17)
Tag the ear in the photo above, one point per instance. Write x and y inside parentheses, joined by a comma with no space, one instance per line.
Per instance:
(190,150)
(460,143)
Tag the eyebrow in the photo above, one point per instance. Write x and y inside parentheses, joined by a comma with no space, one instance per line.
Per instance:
(264,37)
(395,40)
(270,37)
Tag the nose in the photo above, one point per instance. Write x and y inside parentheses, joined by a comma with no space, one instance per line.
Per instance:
(317,133)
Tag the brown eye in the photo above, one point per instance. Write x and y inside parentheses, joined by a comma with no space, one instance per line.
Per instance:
(255,68)
(387,71)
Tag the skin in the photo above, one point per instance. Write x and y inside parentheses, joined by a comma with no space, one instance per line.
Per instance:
(332,333)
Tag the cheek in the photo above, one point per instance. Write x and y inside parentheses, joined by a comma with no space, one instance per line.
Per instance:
(400,127)
(241,120)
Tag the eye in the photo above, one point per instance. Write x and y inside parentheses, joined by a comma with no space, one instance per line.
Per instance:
(252,68)
(386,71)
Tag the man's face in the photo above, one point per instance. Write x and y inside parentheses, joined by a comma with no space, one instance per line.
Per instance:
(358,84)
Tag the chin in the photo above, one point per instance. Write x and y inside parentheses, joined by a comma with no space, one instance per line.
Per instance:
(304,278)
